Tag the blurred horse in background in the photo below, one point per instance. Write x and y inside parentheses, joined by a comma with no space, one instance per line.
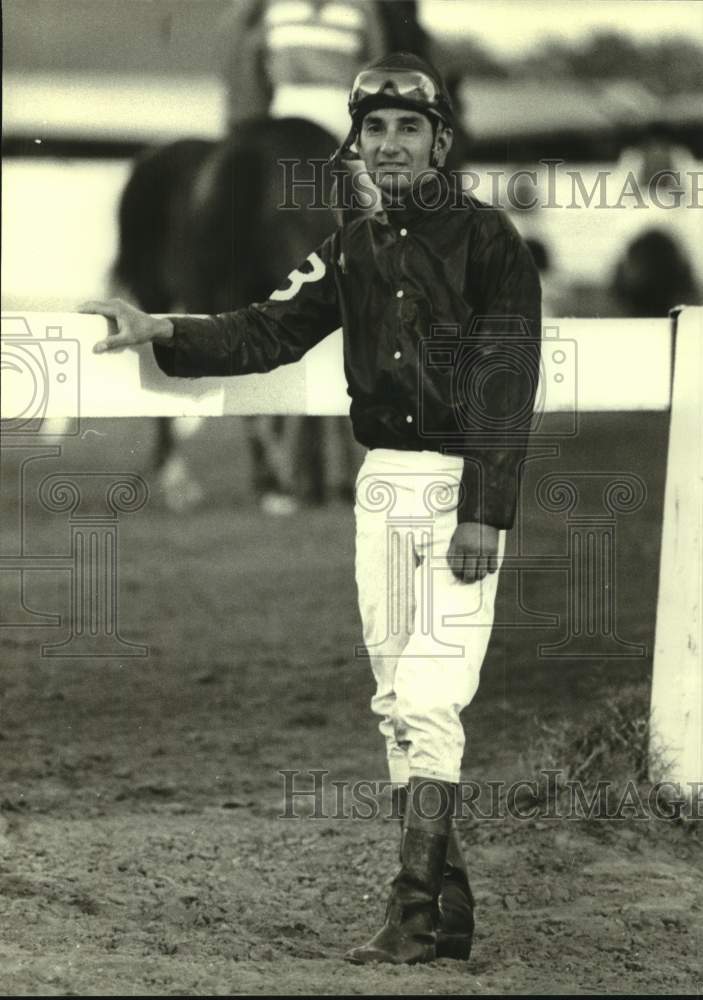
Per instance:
(653,275)
(201,231)
(198,226)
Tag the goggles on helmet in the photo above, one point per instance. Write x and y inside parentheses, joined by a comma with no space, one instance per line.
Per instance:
(409,85)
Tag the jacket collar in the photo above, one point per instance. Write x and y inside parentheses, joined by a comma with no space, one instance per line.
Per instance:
(432,193)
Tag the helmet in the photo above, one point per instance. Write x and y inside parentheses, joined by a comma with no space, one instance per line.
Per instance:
(401,80)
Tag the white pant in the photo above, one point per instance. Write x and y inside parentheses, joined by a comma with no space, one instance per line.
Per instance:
(426,632)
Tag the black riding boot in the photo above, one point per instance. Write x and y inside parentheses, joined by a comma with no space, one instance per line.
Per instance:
(455,930)
(456,905)
(409,932)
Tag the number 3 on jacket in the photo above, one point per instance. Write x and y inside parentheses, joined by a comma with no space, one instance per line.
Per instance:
(298,278)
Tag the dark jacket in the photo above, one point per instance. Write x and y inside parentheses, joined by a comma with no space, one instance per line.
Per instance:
(440,308)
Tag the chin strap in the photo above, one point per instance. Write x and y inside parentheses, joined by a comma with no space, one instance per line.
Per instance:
(434,155)
(344,151)
(366,197)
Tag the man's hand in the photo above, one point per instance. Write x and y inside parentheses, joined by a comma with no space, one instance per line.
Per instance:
(473,551)
(133,327)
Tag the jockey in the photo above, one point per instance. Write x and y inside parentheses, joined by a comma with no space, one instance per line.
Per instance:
(402,80)
(439,303)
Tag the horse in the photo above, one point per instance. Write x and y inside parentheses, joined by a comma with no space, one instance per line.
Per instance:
(202,230)
(653,275)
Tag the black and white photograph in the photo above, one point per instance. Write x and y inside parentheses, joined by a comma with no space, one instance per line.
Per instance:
(351,556)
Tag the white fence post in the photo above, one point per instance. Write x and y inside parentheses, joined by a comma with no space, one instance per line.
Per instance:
(676,749)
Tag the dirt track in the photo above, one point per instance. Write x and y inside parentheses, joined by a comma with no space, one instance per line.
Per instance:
(141,849)
(173,899)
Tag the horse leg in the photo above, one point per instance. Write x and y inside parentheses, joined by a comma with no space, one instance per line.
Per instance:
(163,444)
(180,487)
(262,477)
(347,458)
(272,468)
(181,490)
(308,450)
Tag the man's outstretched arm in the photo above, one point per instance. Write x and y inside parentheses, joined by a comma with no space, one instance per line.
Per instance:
(257,338)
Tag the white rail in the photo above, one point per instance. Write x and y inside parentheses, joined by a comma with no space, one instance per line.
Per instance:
(588,364)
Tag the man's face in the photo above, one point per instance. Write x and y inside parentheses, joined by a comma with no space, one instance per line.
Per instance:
(396,146)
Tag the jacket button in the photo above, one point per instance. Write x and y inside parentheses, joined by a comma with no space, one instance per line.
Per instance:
(397,355)
(408,419)
(403,232)
(400,293)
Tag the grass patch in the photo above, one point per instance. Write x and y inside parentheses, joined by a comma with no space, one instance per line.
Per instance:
(605,762)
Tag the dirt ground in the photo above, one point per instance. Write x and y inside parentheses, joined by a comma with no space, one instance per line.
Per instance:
(143,847)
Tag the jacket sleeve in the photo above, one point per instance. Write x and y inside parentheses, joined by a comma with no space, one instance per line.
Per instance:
(264,335)
(505,361)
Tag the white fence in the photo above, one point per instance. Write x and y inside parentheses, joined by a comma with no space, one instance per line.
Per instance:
(614,364)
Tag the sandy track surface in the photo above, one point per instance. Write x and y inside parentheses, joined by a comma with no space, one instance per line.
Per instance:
(142,849)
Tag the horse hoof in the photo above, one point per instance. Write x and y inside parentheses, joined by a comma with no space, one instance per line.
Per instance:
(278,504)
(180,491)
